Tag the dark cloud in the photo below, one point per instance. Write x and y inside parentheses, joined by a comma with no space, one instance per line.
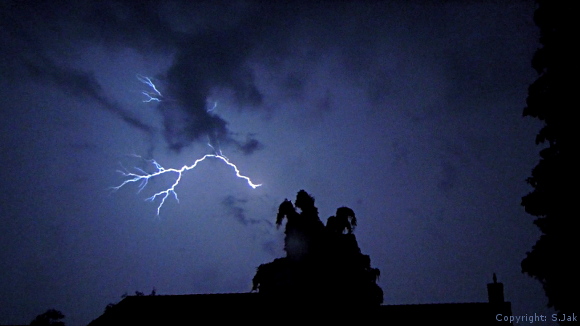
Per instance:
(234,207)
(84,84)
(249,146)
(139,25)
(207,59)
(28,54)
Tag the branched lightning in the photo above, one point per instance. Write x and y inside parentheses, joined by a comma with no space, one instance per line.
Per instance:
(151,96)
(218,151)
(142,177)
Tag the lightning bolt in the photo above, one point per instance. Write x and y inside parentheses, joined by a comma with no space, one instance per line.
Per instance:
(142,177)
(214,106)
(151,96)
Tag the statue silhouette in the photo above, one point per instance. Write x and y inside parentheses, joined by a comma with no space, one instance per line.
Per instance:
(323,264)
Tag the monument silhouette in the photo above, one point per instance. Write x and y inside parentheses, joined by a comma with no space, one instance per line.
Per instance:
(323,264)
(324,276)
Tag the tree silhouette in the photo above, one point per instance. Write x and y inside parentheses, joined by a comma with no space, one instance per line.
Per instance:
(323,264)
(50,317)
(551,98)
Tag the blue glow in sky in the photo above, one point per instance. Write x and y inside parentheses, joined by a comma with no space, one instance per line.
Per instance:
(410,113)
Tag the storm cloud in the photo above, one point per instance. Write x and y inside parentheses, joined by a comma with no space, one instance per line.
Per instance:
(207,59)
(408,112)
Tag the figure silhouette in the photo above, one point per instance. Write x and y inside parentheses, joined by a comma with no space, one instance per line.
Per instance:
(323,264)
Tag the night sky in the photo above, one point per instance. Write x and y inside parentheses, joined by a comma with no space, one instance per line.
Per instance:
(408,112)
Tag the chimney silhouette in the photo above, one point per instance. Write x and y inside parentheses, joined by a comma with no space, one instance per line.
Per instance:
(495,291)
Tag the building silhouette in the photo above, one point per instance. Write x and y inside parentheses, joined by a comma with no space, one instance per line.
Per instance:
(323,277)
(261,309)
